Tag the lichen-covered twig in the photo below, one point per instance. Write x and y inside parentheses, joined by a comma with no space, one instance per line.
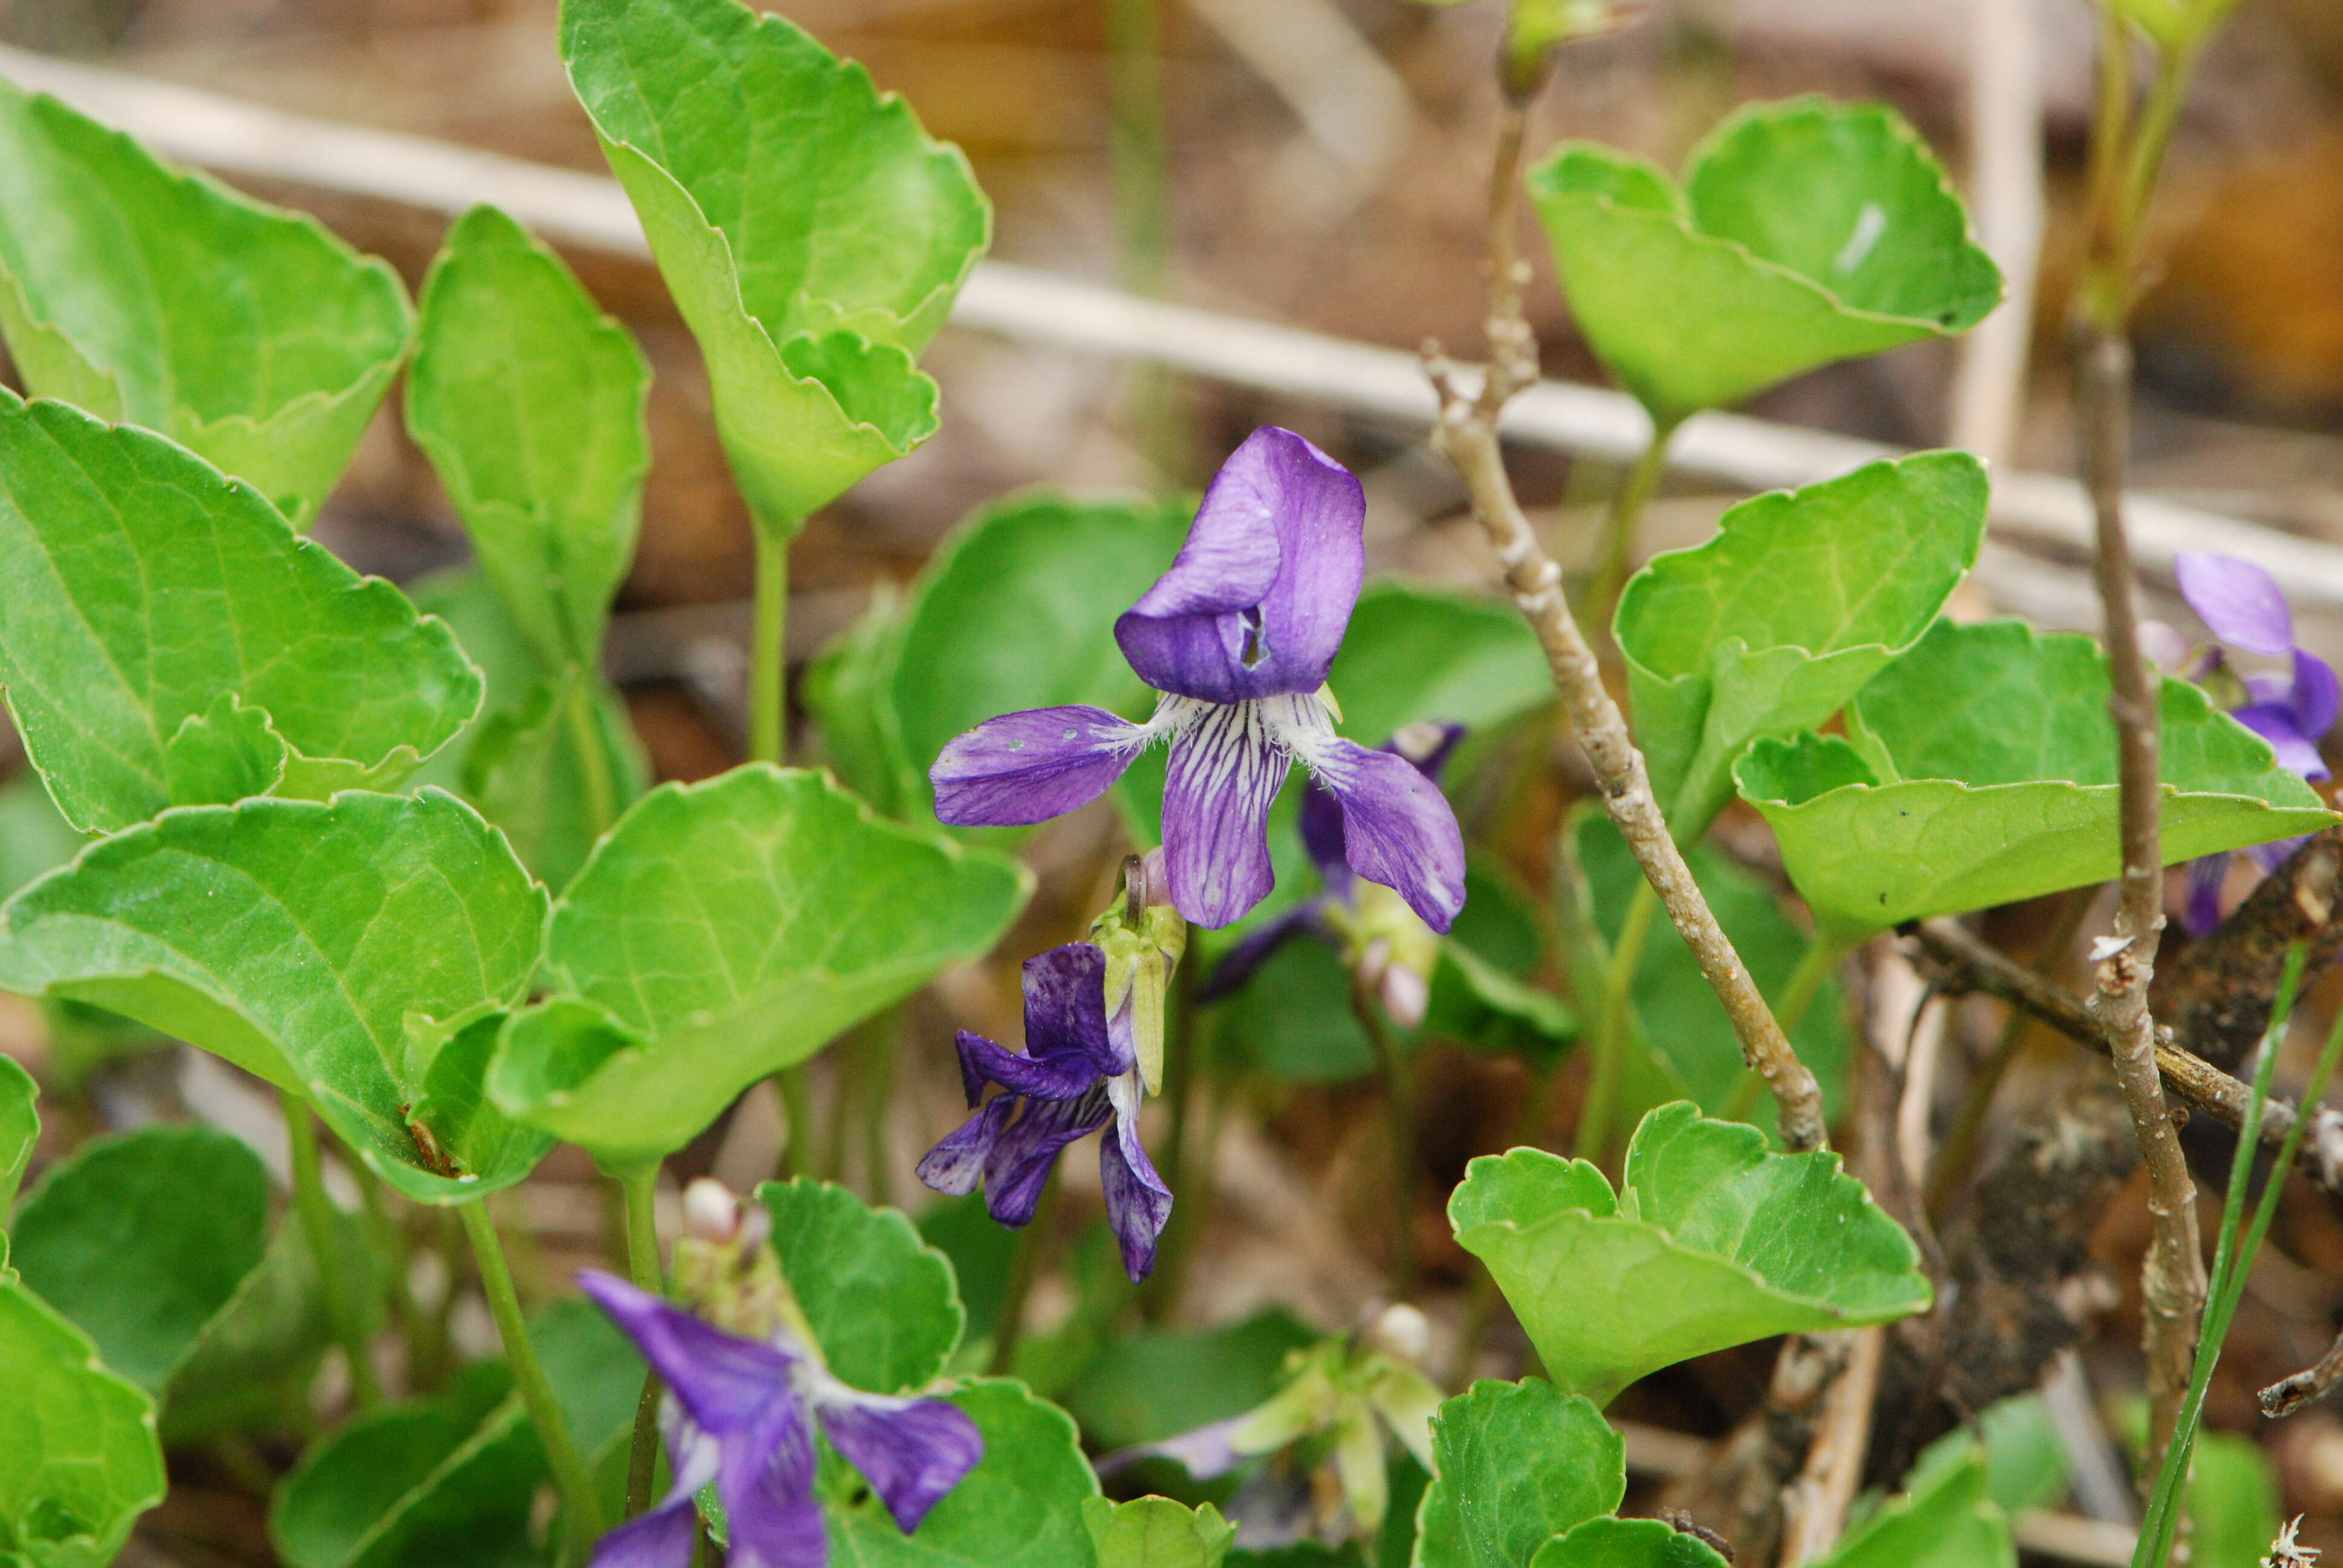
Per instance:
(1466,434)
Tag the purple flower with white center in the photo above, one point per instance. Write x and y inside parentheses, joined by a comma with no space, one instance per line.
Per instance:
(1239,637)
(741,1413)
(1078,1072)
(2243,606)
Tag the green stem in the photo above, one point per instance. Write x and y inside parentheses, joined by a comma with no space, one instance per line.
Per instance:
(1399,1101)
(1139,154)
(1024,1268)
(593,756)
(640,1187)
(1620,526)
(879,1088)
(1481,1297)
(768,650)
(1593,1137)
(1805,982)
(582,1512)
(397,1244)
(318,1227)
(797,1108)
(1183,1073)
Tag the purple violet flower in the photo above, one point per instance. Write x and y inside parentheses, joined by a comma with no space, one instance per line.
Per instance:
(2244,606)
(1079,1071)
(1239,637)
(741,1413)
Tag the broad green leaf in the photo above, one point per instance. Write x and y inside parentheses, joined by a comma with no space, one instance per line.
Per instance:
(982,1252)
(1682,1028)
(538,770)
(1947,1521)
(79,1461)
(812,235)
(166,638)
(1415,653)
(725,930)
(1713,1242)
(142,1238)
(328,949)
(1804,232)
(20,1130)
(2232,1501)
(34,837)
(1771,626)
(2026,1459)
(880,1301)
(1518,1463)
(1294,1020)
(1020,1507)
(1478,1004)
(1626,1543)
(1156,1533)
(1981,770)
(146,294)
(1158,1383)
(529,402)
(849,688)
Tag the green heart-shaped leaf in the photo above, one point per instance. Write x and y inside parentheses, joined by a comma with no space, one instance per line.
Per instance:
(20,1131)
(1518,1463)
(1020,1507)
(146,294)
(334,949)
(1160,1382)
(812,235)
(882,1303)
(79,1461)
(1415,652)
(1805,232)
(1626,1543)
(1947,1521)
(529,402)
(1981,770)
(1773,625)
(723,931)
(1015,610)
(1714,1241)
(142,1239)
(166,638)
(1156,1533)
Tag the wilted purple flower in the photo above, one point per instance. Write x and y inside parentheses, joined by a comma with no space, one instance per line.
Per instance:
(1329,915)
(741,1413)
(2245,607)
(1076,1073)
(1239,637)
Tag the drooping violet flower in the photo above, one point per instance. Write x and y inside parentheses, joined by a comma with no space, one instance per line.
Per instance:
(1239,637)
(1392,950)
(741,1413)
(1077,1073)
(2244,606)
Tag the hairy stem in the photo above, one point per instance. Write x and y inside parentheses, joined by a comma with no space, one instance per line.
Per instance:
(640,1188)
(769,672)
(318,1228)
(1466,434)
(582,1511)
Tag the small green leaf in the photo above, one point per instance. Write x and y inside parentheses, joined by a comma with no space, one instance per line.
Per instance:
(1946,1521)
(79,1461)
(305,943)
(1416,653)
(166,637)
(1771,626)
(1626,1543)
(2026,1459)
(1156,1533)
(20,1130)
(1715,1241)
(812,235)
(529,402)
(880,1301)
(142,292)
(725,930)
(1805,232)
(1519,1462)
(1020,1507)
(1475,1002)
(142,1238)
(2232,1501)
(1981,770)
(1684,1029)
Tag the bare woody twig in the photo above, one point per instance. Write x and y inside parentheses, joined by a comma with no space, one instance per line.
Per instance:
(1466,434)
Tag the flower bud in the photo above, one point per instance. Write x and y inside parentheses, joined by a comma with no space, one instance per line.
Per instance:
(1143,939)
(711,1212)
(1402,1331)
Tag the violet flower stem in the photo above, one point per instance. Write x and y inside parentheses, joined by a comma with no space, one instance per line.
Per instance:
(1024,1269)
(1593,1136)
(580,1510)
(1399,1103)
(768,647)
(320,1230)
(1183,1072)
(641,1187)
(1622,522)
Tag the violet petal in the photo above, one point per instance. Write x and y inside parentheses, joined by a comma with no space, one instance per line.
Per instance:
(956,1164)
(2202,912)
(1058,1075)
(1226,770)
(1219,628)
(910,1450)
(1138,1203)
(1027,1150)
(726,1383)
(2317,698)
(1322,836)
(2274,722)
(767,1487)
(2270,855)
(2240,601)
(1065,1005)
(1397,827)
(659,1539)
(1026,767)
